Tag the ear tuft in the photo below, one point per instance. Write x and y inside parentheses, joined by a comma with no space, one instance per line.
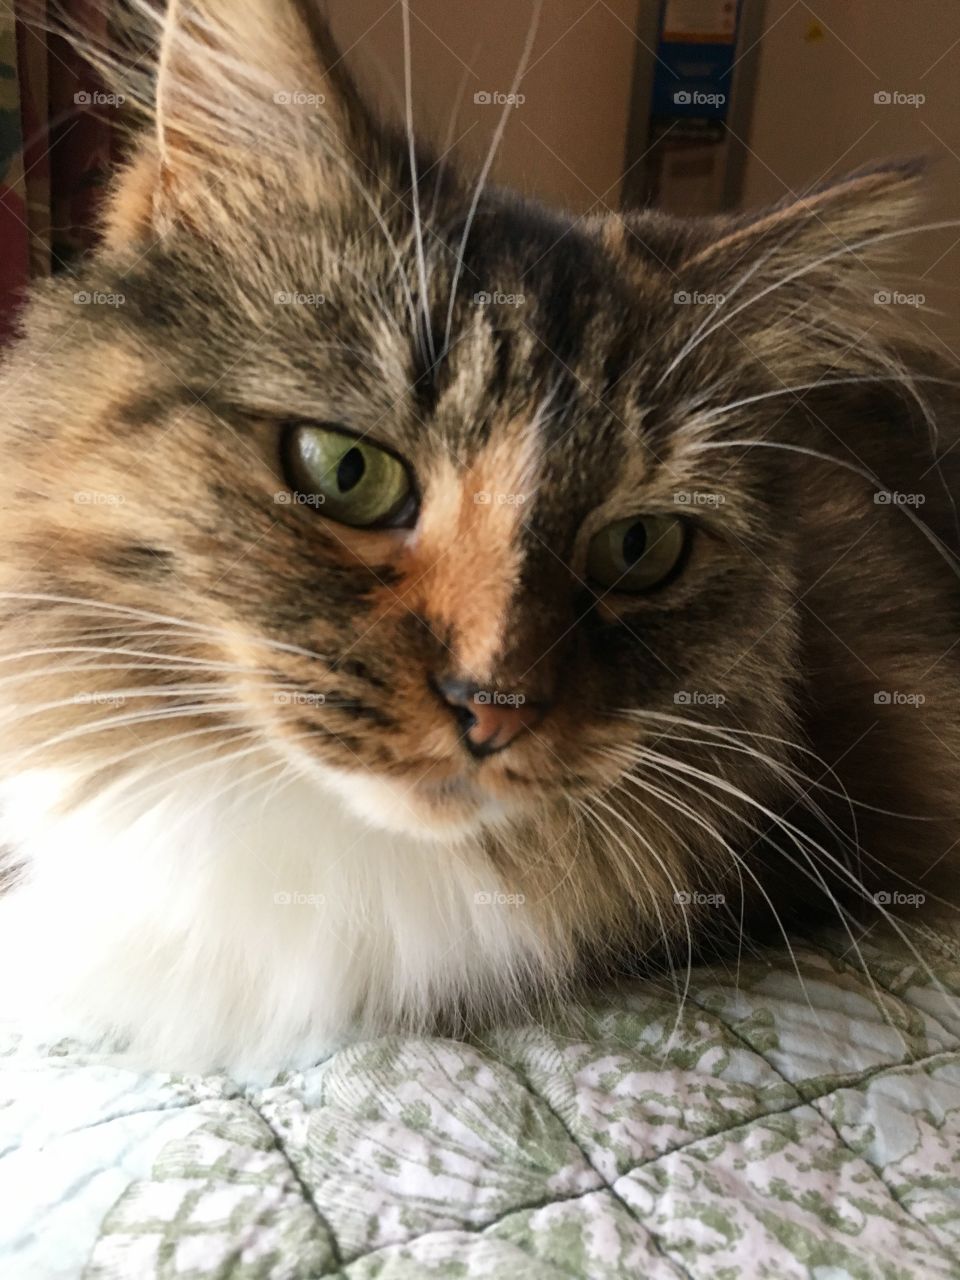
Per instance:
(798,282)
(242,93)
(840,213)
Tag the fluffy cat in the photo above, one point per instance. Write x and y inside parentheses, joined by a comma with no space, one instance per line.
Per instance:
(376,655)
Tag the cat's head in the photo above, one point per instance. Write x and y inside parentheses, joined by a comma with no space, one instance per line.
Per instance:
(346,452)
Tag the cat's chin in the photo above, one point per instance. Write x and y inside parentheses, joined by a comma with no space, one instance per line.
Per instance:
(447,810)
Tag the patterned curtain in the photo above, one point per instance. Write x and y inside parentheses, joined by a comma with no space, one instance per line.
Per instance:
(56,142)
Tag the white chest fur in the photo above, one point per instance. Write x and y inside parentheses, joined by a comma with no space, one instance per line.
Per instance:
(217,927)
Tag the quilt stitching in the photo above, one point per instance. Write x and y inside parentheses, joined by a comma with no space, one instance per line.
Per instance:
(937,1244)
(857,1084)
(524,1079)
(895,995)
(305,1191)
(800,1104)
(505,1134)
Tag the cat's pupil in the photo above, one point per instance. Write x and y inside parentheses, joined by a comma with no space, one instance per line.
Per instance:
(350,471)
(634,542)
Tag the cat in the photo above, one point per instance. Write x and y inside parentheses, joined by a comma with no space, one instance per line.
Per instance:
(416,603)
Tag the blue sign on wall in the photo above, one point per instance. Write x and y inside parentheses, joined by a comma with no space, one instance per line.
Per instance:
(695,57)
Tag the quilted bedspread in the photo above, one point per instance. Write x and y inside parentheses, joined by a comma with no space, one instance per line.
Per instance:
(795,1120)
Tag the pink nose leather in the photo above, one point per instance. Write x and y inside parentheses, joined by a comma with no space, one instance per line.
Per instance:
(495,725)
(489,720)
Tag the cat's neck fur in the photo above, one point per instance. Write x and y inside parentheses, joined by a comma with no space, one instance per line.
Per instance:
(257,926)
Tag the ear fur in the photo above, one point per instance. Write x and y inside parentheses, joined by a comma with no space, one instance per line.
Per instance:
(836,215)
(798,281)
(240,91)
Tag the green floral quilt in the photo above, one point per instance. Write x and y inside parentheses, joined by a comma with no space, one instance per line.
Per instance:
(796,1119)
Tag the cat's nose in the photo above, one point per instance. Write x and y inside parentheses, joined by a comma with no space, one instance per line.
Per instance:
(489,719)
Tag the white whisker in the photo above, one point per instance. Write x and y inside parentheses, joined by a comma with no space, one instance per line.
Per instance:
(488,164)
(800,839)
(678,899)
(414,180)
(710,324)
(195,628)
(943,551)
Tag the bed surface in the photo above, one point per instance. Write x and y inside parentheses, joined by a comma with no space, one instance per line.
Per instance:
(786,1130)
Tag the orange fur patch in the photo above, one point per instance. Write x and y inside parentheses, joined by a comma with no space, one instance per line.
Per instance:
(464,568)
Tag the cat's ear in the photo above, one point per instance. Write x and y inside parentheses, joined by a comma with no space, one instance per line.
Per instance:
(826,224)
(803,278)
(241,91)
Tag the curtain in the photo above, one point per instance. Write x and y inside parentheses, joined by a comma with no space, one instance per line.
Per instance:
(56,143)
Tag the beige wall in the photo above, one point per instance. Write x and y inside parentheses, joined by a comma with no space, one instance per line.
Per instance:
(815,115)
(566,142)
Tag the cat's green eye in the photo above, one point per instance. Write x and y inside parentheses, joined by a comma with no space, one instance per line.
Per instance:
(636,554)
(348,479)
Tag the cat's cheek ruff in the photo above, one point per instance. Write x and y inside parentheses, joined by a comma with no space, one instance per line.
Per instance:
(202,932)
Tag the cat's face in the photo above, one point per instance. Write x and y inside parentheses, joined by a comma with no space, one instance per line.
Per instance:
(529,525)
(437,511)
